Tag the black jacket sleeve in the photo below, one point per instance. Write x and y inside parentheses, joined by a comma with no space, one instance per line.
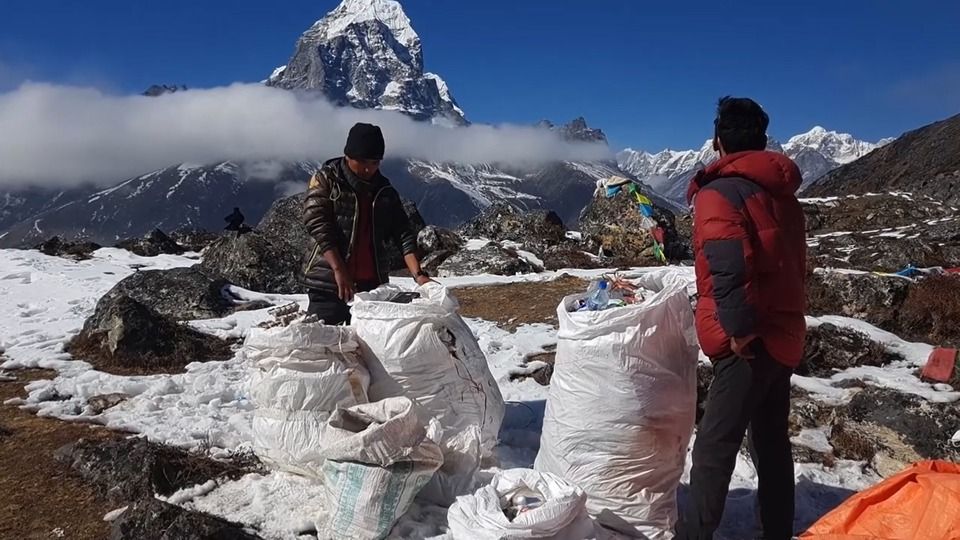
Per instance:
(318,213)
(404,235)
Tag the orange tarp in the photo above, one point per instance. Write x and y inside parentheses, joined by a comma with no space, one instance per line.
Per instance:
(920,503)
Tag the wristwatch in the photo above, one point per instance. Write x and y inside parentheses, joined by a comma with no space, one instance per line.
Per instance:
(423,273)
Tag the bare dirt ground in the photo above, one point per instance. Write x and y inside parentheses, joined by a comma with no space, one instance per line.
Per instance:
(517,304)
(40,498)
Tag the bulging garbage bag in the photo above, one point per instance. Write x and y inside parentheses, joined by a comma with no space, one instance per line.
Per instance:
(377,457)
(561,515)
(302,373)
(621,406)
(424,350)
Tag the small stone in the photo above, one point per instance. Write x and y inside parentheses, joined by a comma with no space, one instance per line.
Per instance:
(98,404)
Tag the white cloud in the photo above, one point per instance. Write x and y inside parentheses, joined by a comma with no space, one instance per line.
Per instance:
(62,135)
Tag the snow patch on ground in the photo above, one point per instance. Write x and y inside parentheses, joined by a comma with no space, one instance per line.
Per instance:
(47,299)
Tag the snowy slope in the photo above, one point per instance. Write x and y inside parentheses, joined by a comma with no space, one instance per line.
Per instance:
(184,195)
(816,152)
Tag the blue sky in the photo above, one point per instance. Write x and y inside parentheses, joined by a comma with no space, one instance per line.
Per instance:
(647,73)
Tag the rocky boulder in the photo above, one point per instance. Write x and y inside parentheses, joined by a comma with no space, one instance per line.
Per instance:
(534,229)
(269,258)
(891,430)
(126,334)
(195,240)
(569,256)
(869,297)
(179,293)
(254,261)
(155,243)
(77,251)
(613,227)
(490,259)
(153,519)
(432,238)
(126,470)
(830,348)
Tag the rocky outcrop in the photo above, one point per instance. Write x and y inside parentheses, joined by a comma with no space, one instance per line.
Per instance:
(155,243)
(126,470)
(830,348)
(193,239)
(77,251)
(490,259)
(569,256)
(890,430)
(613,226)
(254,261)
(153,519)
(873,298)
(432,238)
(931,311)
(269,258)
(871,212)
(181,294)
(126,334)
(885,232)
(534,229)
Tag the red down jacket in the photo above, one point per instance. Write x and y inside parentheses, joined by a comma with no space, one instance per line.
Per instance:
(750,248)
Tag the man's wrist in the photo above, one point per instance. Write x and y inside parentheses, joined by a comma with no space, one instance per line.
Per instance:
(421,273)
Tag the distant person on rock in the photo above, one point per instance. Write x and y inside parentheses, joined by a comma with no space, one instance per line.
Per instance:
(750,251)
(235,222)
(352,211)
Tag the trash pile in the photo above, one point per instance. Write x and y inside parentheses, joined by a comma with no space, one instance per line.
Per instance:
(622,405)
(521,503)
(609,292)
(402,406)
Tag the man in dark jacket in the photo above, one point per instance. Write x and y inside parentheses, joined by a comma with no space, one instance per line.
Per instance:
(351,211)
(750,251)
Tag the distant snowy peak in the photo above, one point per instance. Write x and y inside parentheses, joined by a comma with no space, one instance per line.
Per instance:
(350,12)
(815,152)
(841,148)
(366,54)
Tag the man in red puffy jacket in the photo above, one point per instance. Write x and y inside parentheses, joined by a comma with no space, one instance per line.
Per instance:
(750,251)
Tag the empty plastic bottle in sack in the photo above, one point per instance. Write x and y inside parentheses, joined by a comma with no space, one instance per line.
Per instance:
(600,298)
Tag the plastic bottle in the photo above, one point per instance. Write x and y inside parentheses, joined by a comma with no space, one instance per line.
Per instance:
(600,298)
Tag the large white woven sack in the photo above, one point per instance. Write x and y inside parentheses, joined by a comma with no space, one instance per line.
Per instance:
(622,405)
(563,515)
(425,351)
(377,457)
(302,373)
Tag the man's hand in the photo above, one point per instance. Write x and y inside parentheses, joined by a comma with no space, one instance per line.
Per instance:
(345,288)
(741,346)
(422,280)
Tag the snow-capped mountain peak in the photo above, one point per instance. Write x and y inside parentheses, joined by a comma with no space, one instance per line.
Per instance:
(349,12)
(366,54)
(841,148)
(816,152)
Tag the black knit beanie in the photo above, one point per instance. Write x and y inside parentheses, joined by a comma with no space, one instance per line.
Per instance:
(365,141)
